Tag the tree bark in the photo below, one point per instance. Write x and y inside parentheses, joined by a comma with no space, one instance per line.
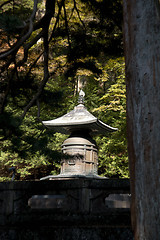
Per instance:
(142,54)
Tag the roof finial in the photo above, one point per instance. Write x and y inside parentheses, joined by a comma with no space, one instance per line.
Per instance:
(81,97)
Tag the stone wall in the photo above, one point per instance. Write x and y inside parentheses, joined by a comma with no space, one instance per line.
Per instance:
(70,209)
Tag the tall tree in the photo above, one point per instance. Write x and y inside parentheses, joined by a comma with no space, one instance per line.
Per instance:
(142,51)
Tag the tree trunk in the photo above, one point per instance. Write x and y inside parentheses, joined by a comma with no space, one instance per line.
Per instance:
(142,52)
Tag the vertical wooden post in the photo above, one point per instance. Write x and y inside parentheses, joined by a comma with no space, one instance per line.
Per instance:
(142,53)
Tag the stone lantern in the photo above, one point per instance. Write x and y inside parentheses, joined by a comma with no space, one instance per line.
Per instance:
(79,149)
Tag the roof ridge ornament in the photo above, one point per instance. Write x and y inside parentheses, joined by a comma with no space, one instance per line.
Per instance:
(81,97)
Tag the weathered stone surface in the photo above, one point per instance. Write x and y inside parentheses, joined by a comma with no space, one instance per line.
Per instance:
(47,201)
(82,213)
(118,201)
(77,233)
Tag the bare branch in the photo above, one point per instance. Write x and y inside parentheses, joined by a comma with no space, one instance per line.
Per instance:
(19,43)
(5,94)
(49,14)
(32,65)
(75,6)
(7,64)
(36,96)
(71,13)
(66,25)
(28,46)
(50,10)
(3,4)
(38,106)
(45,76)
(57,20)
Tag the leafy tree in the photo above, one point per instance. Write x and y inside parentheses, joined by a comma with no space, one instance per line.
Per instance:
(113,157)
(47,47)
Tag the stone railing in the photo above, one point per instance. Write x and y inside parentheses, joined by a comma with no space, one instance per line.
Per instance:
(65,209)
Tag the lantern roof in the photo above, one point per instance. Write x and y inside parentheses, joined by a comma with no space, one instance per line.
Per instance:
(77,120)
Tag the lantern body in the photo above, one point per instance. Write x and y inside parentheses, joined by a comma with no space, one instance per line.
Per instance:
(80,155)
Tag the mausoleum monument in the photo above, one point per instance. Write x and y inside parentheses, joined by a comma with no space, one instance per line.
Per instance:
(79,148)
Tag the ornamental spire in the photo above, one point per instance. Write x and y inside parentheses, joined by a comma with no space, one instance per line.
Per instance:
(81,97)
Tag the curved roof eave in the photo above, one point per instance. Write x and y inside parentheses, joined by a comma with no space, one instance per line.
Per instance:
(78,118)
(95,126)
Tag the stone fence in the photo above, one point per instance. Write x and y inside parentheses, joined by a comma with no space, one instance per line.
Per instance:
(70,209)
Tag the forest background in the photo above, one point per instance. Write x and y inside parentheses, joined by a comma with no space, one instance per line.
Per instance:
(49,50)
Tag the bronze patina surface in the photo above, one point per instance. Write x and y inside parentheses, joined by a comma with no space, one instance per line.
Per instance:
(78,118)
(80,150)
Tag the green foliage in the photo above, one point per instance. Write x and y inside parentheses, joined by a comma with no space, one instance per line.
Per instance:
(113,160)
(31,150)
(12,16)
(10,23)
(89,48)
